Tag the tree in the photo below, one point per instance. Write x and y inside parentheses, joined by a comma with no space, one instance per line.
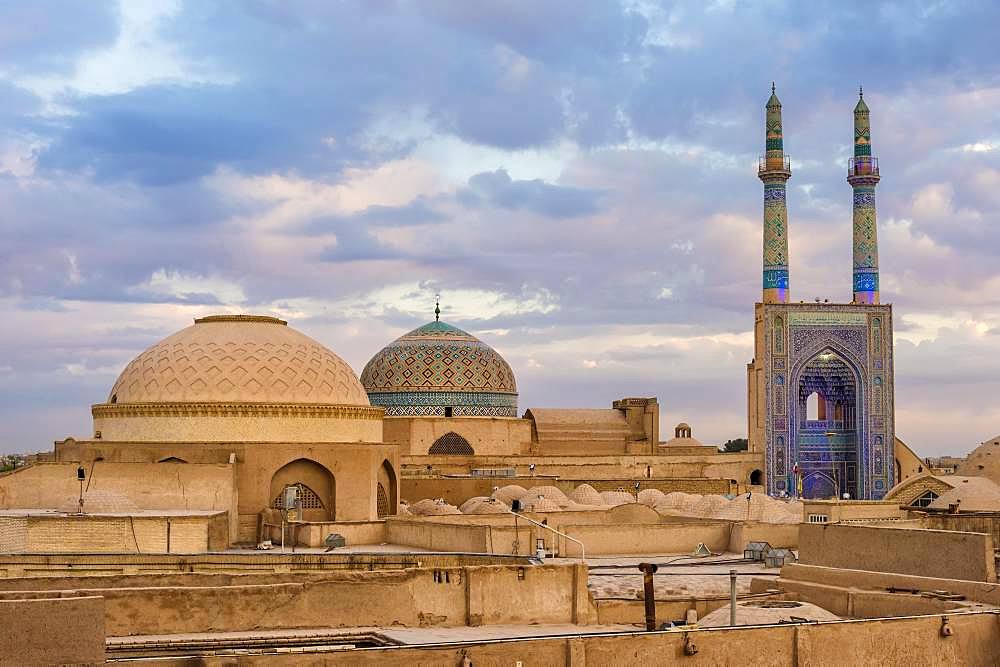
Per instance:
(736,445)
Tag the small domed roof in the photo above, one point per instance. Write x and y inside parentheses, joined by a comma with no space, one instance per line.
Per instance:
(983,461)
(439,366)
(238,359)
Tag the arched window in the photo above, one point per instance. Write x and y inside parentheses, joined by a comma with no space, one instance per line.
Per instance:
(756,478)
(308,499)
(452,443)
(382,501)
(385,490)
(812,406)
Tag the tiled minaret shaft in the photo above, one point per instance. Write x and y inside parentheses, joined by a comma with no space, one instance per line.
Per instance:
(774,171)
(863,176)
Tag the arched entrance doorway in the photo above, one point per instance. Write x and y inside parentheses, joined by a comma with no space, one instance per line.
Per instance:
(317,489)
(827,431)
(386,498)
(756,478)
(818,485)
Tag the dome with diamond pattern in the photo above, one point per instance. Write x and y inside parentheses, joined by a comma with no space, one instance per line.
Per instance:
(440,370)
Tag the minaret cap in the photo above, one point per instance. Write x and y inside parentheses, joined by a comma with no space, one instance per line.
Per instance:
(437,308)
(773,101)
(861,107)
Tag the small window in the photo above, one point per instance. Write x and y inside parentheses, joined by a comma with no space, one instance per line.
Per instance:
(812,407)
(308,499)
(382,501)
(926,499)
(448,411)
(818,518)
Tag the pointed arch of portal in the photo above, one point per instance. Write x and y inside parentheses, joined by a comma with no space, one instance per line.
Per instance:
(843,481)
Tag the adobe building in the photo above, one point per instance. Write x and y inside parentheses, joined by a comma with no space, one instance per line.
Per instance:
(223,415)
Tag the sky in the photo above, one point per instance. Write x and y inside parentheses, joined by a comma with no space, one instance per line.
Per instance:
(575,178)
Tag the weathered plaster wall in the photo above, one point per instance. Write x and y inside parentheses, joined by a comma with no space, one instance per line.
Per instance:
(622,530)
(828,577)
(165,486)
(103,533)
(644,538)
(115,567)
(853,510)
(487,435)
(931,553)
(576,467)
(413,598)
(52,631)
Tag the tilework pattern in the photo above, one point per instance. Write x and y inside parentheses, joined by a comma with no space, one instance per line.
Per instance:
(866,348)
(438,366)
(774,175)
(865,275)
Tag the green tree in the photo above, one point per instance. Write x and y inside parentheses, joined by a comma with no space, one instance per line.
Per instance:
(736,445)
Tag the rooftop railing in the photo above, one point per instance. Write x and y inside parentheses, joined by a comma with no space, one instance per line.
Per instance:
(862,165)
(765,164)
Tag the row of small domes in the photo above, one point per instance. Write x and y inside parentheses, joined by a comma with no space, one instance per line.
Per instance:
(257,359)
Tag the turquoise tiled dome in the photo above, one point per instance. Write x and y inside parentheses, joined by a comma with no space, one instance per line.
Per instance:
(436,367)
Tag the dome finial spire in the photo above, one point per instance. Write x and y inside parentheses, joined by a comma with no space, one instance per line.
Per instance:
(861,92)
(772,87)
(437,308)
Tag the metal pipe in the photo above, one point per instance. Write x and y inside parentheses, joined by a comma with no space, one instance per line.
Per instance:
(648,595)
(732,597)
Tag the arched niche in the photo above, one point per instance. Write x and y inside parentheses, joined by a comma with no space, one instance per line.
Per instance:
(317,489)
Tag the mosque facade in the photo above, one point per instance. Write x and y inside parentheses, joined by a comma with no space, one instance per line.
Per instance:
(820,387)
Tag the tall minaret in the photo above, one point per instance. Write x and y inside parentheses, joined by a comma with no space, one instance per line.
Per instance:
(862,174)
(774,171)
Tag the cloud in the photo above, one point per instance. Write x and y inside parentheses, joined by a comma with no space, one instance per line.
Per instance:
(576,180)
(498,189)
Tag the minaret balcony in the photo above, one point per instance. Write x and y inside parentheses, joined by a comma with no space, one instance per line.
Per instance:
(862,165)
(780,164)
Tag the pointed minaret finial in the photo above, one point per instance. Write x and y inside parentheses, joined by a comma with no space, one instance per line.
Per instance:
(861,92)
(772,86)
(437,308)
